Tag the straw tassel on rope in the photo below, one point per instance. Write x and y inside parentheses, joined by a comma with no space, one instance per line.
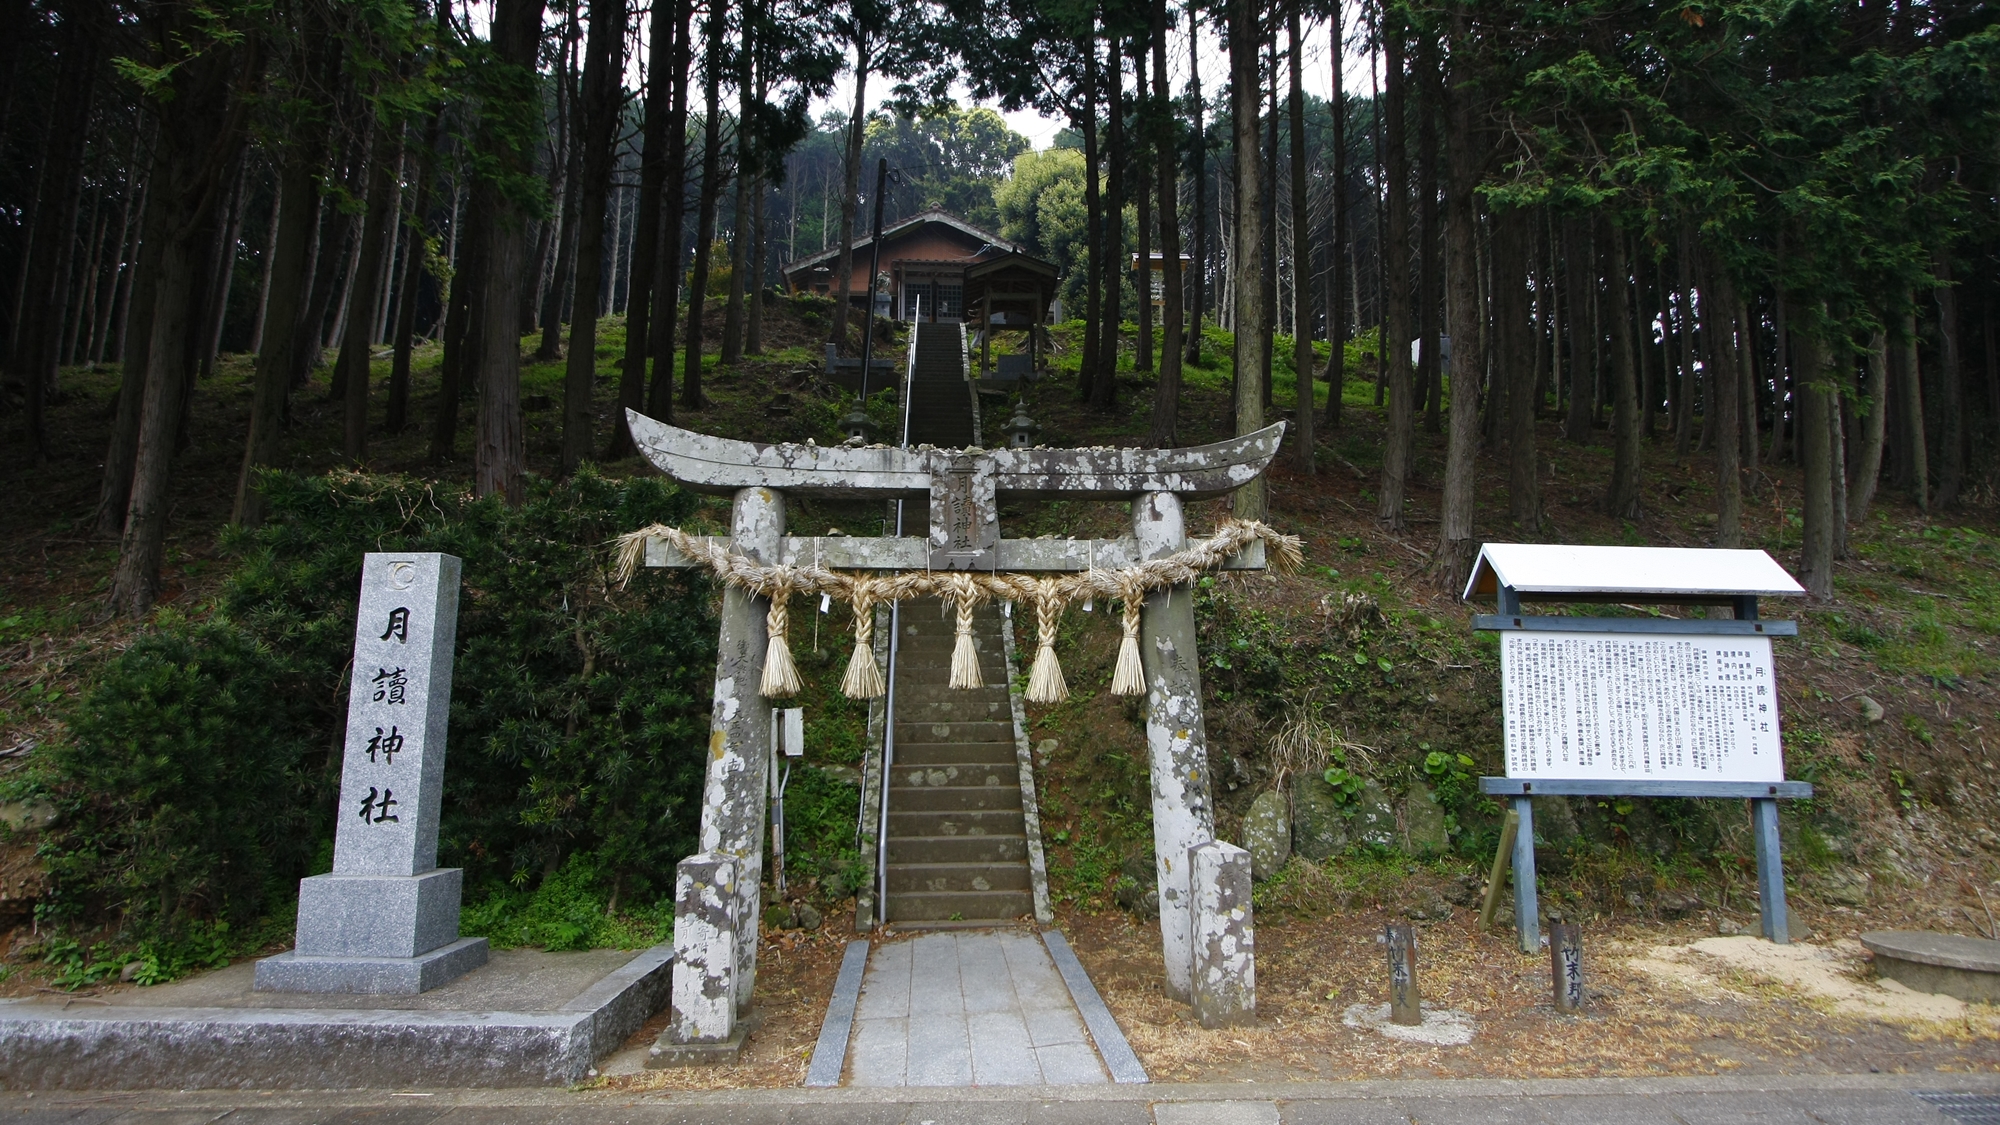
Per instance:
(864,679)
(1045,679)
(781,675)
(964,592)
(1129,678)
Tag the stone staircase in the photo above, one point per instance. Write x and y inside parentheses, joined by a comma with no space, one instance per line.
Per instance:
(940,396)
(957,837)
(958,848)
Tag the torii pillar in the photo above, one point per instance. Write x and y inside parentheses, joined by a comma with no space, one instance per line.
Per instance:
(1176,738)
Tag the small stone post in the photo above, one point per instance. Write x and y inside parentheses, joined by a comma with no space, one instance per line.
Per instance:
(385,921)
(704,989)
(739,739)
(1223,936)
(1177,741)
(1405,1002)
(1566,965)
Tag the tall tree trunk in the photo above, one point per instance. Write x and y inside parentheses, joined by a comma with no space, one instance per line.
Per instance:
(1725,406)
(1341,243)
(704,229)
(646,226)
(1429,285)
(290,271)
(850,178)
(1093,211)
(499,444)
(1302,315)
(1512,253)
(753,281)
(673,220)
(1916,457)
(1746,397)
(567,154)
(598,110)
(1951,382)
(115,492)
(1246,255)
(1582,375)
(1816,459)
(201,114)
(359,339)
(1395,345)
(1457,544)
(741,230)
(1142,194)
(1684,393)
(1198,168)
(38,327)
(416,257)
(1621,499)
(1167,396)
(1267,206)
(464,326)
(1104,388)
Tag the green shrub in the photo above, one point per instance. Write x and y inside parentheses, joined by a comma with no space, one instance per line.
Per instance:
(182,789)
(199,775)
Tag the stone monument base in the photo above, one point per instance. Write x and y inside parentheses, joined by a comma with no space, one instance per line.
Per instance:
(721,1052)
(376,976)
(528,1018)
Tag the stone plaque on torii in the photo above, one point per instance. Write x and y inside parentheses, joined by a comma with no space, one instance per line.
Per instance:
(717,895)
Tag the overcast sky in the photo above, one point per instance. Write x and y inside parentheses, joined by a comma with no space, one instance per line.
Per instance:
(1041,131)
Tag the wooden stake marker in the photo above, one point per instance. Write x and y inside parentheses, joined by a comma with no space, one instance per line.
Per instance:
(1566,965)
(1405,1005)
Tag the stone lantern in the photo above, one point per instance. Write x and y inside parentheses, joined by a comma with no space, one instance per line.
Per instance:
(857,424)
(1021,430)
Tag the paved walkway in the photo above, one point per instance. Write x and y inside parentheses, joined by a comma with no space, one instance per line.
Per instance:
(1827,1099)
(971,1008)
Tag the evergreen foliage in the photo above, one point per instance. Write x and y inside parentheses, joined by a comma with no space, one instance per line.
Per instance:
(197,779)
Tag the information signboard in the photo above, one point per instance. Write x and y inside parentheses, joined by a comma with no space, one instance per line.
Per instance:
(1609,706)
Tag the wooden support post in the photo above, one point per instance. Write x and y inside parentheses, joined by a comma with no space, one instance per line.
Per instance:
(1405,1002)
(1770,871)
(1497,878)
(986,334)
(1566,965)
(1526,925)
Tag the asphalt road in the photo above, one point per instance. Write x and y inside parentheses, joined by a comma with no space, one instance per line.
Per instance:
(1806,1100)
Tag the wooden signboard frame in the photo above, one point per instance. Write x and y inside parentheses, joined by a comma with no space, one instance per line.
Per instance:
(1490,575)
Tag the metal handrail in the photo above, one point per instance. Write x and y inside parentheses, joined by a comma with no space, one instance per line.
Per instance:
(895,637)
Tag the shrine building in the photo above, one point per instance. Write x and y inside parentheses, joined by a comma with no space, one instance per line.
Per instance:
(932,266)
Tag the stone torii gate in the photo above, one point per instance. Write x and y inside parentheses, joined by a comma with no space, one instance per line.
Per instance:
(716,911)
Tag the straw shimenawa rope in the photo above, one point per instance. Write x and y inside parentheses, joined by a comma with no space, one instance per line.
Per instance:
(963,591)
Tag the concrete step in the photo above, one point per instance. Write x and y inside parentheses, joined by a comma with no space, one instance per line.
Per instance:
(911,730)
(937,689)
(956,905)
(954,710)
(958,849)
(955,754)
(955,798)
(932,878)
(905,777)
(982,822)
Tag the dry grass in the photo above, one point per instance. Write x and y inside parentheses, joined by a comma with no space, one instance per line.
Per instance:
(1635,1022)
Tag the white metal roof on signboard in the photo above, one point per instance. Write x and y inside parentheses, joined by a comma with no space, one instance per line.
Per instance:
(1554,568)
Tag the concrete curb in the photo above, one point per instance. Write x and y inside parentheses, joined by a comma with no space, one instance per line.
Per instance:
(829,1056)
(1117,1054)
(319,1048)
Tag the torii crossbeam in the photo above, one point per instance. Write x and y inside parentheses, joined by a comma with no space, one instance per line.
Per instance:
(718,889)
